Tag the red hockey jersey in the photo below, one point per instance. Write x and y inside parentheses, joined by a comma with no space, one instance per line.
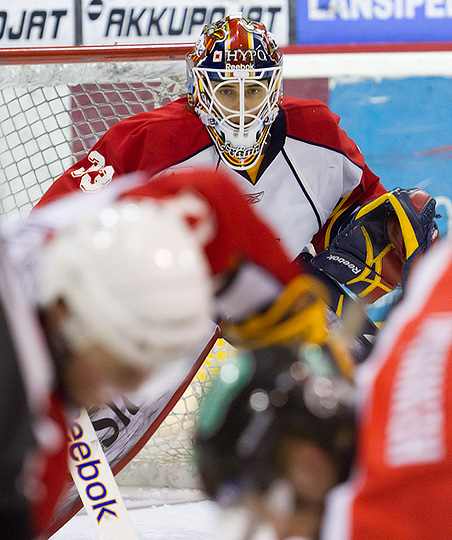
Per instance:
(241,239)
(402,486)
(310,168)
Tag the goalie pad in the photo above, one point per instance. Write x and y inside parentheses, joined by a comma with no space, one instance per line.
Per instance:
(374,251)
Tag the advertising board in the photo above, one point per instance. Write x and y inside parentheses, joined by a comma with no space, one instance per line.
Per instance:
(141,21)
(39,23)
(373,21)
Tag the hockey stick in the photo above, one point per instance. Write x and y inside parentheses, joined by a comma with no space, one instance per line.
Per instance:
(364,329)
(96,484)
(125,427)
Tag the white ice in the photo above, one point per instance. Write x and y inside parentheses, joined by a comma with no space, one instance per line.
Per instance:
(156,515)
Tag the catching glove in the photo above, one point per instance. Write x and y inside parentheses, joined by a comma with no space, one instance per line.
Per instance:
(374,251)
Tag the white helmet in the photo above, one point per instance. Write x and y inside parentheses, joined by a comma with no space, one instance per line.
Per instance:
(135,280)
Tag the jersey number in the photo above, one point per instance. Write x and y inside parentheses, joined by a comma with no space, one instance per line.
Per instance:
(96,176)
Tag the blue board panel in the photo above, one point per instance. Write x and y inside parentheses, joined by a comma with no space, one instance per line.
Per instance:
(367,21)
(404,129)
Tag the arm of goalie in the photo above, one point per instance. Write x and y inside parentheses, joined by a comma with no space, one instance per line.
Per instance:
(374,251)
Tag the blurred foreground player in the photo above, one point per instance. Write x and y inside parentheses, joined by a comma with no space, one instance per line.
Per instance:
(276,433)
(402,486)
(101,319)
(122,286)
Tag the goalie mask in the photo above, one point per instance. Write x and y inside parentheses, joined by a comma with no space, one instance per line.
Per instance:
(235,85)
(135,281)
(261,399)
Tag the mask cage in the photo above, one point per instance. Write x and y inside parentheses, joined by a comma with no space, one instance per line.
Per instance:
(239,134)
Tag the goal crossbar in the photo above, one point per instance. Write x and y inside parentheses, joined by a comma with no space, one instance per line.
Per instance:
(177,51)
(104,53)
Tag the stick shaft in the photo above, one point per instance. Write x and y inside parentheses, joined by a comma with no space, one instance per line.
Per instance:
(96,484)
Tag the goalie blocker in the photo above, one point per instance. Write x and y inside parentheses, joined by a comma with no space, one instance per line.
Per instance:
(373,252)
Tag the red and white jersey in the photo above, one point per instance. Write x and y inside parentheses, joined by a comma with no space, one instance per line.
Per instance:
(309,166)
(402,486)
(242,245)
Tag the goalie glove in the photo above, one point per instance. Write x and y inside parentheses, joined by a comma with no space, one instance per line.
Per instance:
(374,251)
(299,313)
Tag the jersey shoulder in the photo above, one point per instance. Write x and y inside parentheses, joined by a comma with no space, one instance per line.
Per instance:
(311,120)
(161,137)
(173,119)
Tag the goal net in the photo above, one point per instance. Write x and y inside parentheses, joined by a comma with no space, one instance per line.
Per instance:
(54,105)
(52,114)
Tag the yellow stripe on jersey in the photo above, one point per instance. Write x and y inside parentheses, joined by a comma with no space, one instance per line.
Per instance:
(252,171)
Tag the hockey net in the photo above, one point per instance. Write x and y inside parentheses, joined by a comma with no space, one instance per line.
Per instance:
(54,105)
(52,114)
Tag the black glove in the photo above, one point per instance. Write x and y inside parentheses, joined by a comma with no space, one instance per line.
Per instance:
(374,251)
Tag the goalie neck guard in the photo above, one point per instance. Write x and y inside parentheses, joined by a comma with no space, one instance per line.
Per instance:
(235,85)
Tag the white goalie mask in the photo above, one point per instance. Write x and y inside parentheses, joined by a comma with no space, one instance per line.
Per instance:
(235,87)
(135,279)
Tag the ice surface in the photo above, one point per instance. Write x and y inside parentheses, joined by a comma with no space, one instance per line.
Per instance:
(156,515)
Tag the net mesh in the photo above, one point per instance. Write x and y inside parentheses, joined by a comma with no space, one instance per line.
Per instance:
(168,458)
(50,117)
(46,129)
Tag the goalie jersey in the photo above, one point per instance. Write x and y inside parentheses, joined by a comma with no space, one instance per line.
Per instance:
(310,176)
